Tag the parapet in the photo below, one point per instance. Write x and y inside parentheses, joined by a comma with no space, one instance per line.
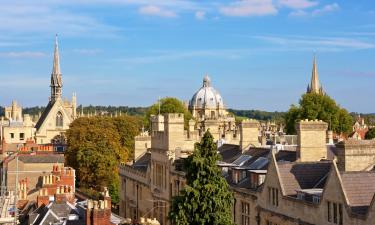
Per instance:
(174,118)
(311,125)
(249,123)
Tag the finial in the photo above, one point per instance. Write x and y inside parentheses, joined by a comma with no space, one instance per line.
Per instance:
(206,81)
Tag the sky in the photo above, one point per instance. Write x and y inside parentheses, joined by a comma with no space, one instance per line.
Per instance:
(258,53)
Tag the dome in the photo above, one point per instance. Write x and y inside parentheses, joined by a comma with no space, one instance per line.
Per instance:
(206,97)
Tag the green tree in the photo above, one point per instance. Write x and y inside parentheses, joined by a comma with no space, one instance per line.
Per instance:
(316,106)
(206,198)
(168,105)
(96,146)
(370,134)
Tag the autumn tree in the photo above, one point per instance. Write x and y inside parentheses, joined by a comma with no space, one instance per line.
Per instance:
(96,146)
(206,198)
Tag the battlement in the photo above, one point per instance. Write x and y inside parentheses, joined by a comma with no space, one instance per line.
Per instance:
(311,125)
(174,118)
(249,123)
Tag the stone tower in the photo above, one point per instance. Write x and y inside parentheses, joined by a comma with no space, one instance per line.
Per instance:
(315,86)
(311,143)
(249,133)
(56,80)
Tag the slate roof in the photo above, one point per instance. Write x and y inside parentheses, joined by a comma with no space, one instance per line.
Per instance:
(54,213)
(45,158)
(229,152)
(359,188)
(44,115)
(296,176)
(142,162)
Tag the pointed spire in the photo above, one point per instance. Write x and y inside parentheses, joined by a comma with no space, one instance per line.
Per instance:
(56,80)
(314,86)
(56,59)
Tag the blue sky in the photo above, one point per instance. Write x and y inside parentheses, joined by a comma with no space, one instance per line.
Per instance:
(258,53)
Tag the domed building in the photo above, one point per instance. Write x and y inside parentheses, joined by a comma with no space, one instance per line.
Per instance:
(208,109)
(207,102)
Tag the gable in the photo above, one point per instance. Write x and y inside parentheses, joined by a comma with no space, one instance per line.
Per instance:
(48,117)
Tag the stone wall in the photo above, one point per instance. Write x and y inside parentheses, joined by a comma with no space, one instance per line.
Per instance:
(311,140)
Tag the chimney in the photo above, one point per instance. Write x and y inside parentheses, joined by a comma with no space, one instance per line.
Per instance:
(311,143)
(249,133)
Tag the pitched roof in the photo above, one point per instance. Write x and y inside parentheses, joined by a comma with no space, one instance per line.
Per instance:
(45,158)
(229,152)
(44,115)
(296,176)
(142,162)
(359,187)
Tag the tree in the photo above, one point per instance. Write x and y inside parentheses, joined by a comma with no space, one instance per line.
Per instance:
(370,134)
(96,146)
(206,198)
(316,106)
(168,105)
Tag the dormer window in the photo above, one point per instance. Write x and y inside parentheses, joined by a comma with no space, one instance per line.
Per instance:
(301,195)
(316,199)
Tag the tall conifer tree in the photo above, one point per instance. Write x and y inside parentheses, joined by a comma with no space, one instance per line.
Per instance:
(206,199)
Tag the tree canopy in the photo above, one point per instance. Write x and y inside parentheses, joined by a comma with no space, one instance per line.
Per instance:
(370,134)
(206,198)
(168,105)
(96,146)
(316,106)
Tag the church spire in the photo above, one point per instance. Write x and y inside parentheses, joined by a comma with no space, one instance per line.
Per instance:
(314,86)
(56,80)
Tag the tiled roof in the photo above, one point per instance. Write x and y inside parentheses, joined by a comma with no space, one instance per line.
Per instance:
(359,187)
(295,176)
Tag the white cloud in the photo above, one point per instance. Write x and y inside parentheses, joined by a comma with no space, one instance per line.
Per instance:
(316,43)
(200,15)
(326,9)
(25,54)
(297,4)
(299,13)
(249,8)
(153,10)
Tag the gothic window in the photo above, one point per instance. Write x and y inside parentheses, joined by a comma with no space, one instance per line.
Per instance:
(59,119)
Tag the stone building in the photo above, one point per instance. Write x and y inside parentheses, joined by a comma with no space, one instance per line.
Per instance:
(30,166)
(59,113)
(16,128)
(315,183)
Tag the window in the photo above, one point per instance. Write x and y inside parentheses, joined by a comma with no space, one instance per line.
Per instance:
(271,223)
(22,136)
(273,196)
(301,195)
(245,213)
(59,119)
(11,135)
(335,213)
(316,199)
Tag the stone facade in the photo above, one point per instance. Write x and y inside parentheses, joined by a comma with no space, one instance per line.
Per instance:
(59,113)
(312,136)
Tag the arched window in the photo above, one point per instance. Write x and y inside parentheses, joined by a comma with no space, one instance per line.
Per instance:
(59,120)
